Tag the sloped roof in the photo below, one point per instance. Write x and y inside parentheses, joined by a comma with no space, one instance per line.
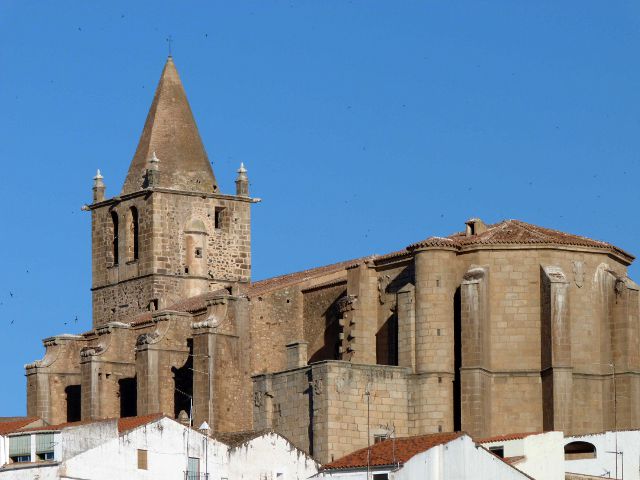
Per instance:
(129,423)
(124,424)
(391,452)
(517,232)
(17,424)
(171,133)
(275,283)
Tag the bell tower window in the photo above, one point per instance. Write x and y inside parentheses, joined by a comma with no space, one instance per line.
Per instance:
(134,242)
(114,240)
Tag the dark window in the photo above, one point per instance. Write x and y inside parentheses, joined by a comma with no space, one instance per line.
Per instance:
(21,458)
(379,438)
(133,227)
(74,404)
(45,456)
(128,397)
(183,384)
(114,240)
(380,476)
(217,218)
(198,253)
(579,451)
(499,451)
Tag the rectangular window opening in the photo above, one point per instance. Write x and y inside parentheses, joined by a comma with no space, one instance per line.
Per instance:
(193,468)
(142,460)
(217,217)
(499,451)
(377,438)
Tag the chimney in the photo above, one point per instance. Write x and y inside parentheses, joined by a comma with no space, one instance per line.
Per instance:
(475,226)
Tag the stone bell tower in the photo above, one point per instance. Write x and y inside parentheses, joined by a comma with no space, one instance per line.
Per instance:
(170,234)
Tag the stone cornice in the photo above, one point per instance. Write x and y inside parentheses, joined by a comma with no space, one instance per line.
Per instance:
(146,192)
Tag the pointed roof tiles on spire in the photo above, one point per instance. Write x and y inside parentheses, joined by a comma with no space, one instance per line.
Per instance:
(170,132)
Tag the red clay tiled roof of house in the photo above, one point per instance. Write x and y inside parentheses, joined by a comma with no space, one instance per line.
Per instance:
(390,452)
(275,283)
(124,424)
(60,426)
(506,437)
(17,424)
(129,423)
(514,460)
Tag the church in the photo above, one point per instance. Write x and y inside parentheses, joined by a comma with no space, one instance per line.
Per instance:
(498,328)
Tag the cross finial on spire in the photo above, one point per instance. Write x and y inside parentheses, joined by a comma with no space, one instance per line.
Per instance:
(169,40)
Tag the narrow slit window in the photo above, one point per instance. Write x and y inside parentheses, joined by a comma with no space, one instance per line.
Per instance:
(217,217)
(114,240)
(133,226)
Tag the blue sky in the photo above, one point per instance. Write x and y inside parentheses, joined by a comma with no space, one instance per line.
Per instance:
(365,126)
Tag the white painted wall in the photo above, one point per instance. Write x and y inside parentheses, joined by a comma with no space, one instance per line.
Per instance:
(544,456)
(628,443)
(110,456)
(543,452)
(267,456)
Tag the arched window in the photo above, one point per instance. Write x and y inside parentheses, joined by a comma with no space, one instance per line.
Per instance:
(133,234)
(579,450)
(114,240)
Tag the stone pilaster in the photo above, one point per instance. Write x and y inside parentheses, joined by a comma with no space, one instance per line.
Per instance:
(475,376)
(407,327)
(361,321)
(557,373)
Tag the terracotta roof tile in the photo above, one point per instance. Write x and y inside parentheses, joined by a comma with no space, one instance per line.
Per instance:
(17,424)
(129,423)
(516,232)
(514,460)
(390,452)
(124,424)
(60,426)
(275,283)
(519,232)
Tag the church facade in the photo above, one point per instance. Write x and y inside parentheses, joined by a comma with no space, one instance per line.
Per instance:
(500,328)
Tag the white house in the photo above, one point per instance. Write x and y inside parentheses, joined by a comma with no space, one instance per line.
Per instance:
(539,455)
(151,447)
(595,454)
(431,457)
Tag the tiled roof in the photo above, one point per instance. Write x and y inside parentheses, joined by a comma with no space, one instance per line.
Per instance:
(275,283)
(390,452)
(124,424)
(60,426)
(516,232)
(514,460)
(15,425)
(129,423)
(506,437)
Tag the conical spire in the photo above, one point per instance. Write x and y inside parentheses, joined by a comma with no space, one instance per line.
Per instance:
(170,132)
